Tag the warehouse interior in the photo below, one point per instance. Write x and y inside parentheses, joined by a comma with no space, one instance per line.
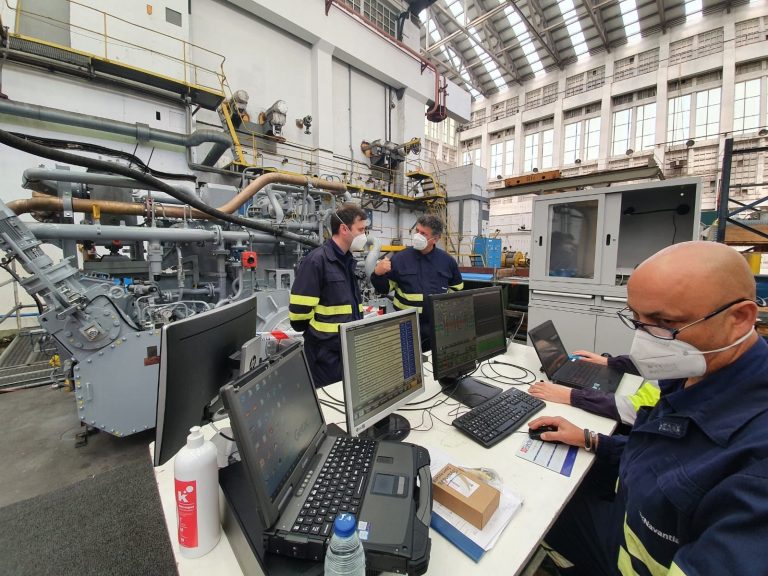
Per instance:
(161,160)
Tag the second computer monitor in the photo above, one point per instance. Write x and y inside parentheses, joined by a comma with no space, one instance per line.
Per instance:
(467,327)
(381,357)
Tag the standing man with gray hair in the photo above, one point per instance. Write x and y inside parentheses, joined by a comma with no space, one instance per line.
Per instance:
(418,271)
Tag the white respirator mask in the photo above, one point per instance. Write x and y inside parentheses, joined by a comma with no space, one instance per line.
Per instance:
(658,359)
(419,241)
(358,243)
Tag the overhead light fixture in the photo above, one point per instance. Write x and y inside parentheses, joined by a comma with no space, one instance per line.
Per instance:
(690,142)
(577,161)
(763,132)
(629,152)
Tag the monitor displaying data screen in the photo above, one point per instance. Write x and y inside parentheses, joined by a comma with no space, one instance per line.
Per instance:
(467,327)
(382,366)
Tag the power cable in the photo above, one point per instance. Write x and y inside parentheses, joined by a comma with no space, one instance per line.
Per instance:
(32,148)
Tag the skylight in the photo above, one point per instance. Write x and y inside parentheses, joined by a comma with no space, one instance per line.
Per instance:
(693,10)
(525,40)
(631,20)
(568,10)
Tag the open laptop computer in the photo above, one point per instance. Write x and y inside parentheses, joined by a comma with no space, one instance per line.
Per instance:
(559,367)
(286,451)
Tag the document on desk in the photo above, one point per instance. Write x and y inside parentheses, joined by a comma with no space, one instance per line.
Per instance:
(471,540)
(557,457)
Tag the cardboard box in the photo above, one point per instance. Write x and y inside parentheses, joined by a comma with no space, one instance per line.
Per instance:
(465,494)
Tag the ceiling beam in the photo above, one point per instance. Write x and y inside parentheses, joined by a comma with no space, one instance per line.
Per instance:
(662,15)
(476,22)
(468,34)
(597,19)
(489,29)
(542,21)
(536,34)
(474,78)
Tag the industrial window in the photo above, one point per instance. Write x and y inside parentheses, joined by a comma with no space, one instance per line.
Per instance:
(592,143)
(747,32)
(710,42)
(746,106)
(533,99)
(645,126)
(509,157)
(572,142)
(550,93)
(497,159)
(595,78)
(574,85)
(622,123)
(648,61)
(679,119)
(531,152)
(708,113)
(680,51)
(547,148)
(172,17)
(624,68)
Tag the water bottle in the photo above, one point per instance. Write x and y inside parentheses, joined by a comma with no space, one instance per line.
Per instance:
(196,483)
(345,555)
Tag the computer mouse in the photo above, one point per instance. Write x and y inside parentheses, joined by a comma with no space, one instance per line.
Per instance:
(536,433)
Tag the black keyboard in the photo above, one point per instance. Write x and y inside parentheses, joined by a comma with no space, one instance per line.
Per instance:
(338,488)
(497,418)
(579,373)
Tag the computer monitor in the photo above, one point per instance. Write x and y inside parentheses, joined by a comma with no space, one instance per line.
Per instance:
(195,361)
(381,359)
(467,327)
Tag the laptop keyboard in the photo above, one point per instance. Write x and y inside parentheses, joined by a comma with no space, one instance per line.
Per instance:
(578,373)
(497,418)
(339,486)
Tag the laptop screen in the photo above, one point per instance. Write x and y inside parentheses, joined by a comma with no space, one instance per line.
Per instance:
(549,347)
(280,417)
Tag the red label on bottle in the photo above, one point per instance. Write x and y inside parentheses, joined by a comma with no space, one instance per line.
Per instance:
(186,512)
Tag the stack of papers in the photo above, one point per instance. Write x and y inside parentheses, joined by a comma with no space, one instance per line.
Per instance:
(466,537)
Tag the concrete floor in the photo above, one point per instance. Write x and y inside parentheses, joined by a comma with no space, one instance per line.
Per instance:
(38,428)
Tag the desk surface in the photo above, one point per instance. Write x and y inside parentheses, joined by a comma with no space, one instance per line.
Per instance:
(544,492)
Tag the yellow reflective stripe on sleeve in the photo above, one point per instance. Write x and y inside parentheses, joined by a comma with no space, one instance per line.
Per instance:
(401,306)
(456,287)
(625,563)
(304,300)
(333,310)
(647,395)
(392,285)
(295,317)
(675,570)
(411,297)
(324,326)
(636,549)
(360,307)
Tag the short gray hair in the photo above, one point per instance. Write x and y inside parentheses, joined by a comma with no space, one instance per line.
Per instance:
(432,222)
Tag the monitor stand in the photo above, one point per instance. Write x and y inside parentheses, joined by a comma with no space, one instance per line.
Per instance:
(467,390)
(394,428)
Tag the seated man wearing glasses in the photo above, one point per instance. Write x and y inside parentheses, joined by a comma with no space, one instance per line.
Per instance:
(692,490)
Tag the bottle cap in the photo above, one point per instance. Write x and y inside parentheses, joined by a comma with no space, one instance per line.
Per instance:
(195,438)
(345,524)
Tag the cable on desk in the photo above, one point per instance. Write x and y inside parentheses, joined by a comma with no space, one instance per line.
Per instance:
(332,406)
(331,399)
(220,433)
(526,379)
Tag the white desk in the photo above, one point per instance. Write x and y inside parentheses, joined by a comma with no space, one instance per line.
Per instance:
(544,492)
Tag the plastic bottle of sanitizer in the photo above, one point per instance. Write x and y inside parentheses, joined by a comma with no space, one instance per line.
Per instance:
(196,479)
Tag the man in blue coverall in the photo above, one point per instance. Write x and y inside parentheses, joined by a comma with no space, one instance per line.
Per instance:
(692,490)
(418,271)
(325,293)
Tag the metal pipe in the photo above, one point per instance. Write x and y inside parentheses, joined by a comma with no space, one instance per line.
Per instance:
(34,175)
(373,256)
(279,214)
(91,232)
(140,132)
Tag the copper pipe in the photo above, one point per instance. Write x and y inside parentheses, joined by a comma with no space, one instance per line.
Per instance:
(43,203)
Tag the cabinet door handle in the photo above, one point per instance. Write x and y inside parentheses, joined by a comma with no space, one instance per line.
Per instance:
(566,294)
(539,240)
(607,239)
(614,299)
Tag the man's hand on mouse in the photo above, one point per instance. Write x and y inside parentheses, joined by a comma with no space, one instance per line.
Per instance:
(567,433)
(551,392)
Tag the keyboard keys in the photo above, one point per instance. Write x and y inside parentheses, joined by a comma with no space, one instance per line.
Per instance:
(497,418)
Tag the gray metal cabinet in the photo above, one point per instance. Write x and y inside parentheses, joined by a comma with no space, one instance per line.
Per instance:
(586,244)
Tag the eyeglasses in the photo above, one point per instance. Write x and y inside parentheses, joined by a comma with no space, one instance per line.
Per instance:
(664,333)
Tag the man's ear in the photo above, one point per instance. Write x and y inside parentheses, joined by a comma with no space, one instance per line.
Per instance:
(744,315)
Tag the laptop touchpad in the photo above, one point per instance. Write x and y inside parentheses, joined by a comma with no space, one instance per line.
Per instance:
(389,485)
